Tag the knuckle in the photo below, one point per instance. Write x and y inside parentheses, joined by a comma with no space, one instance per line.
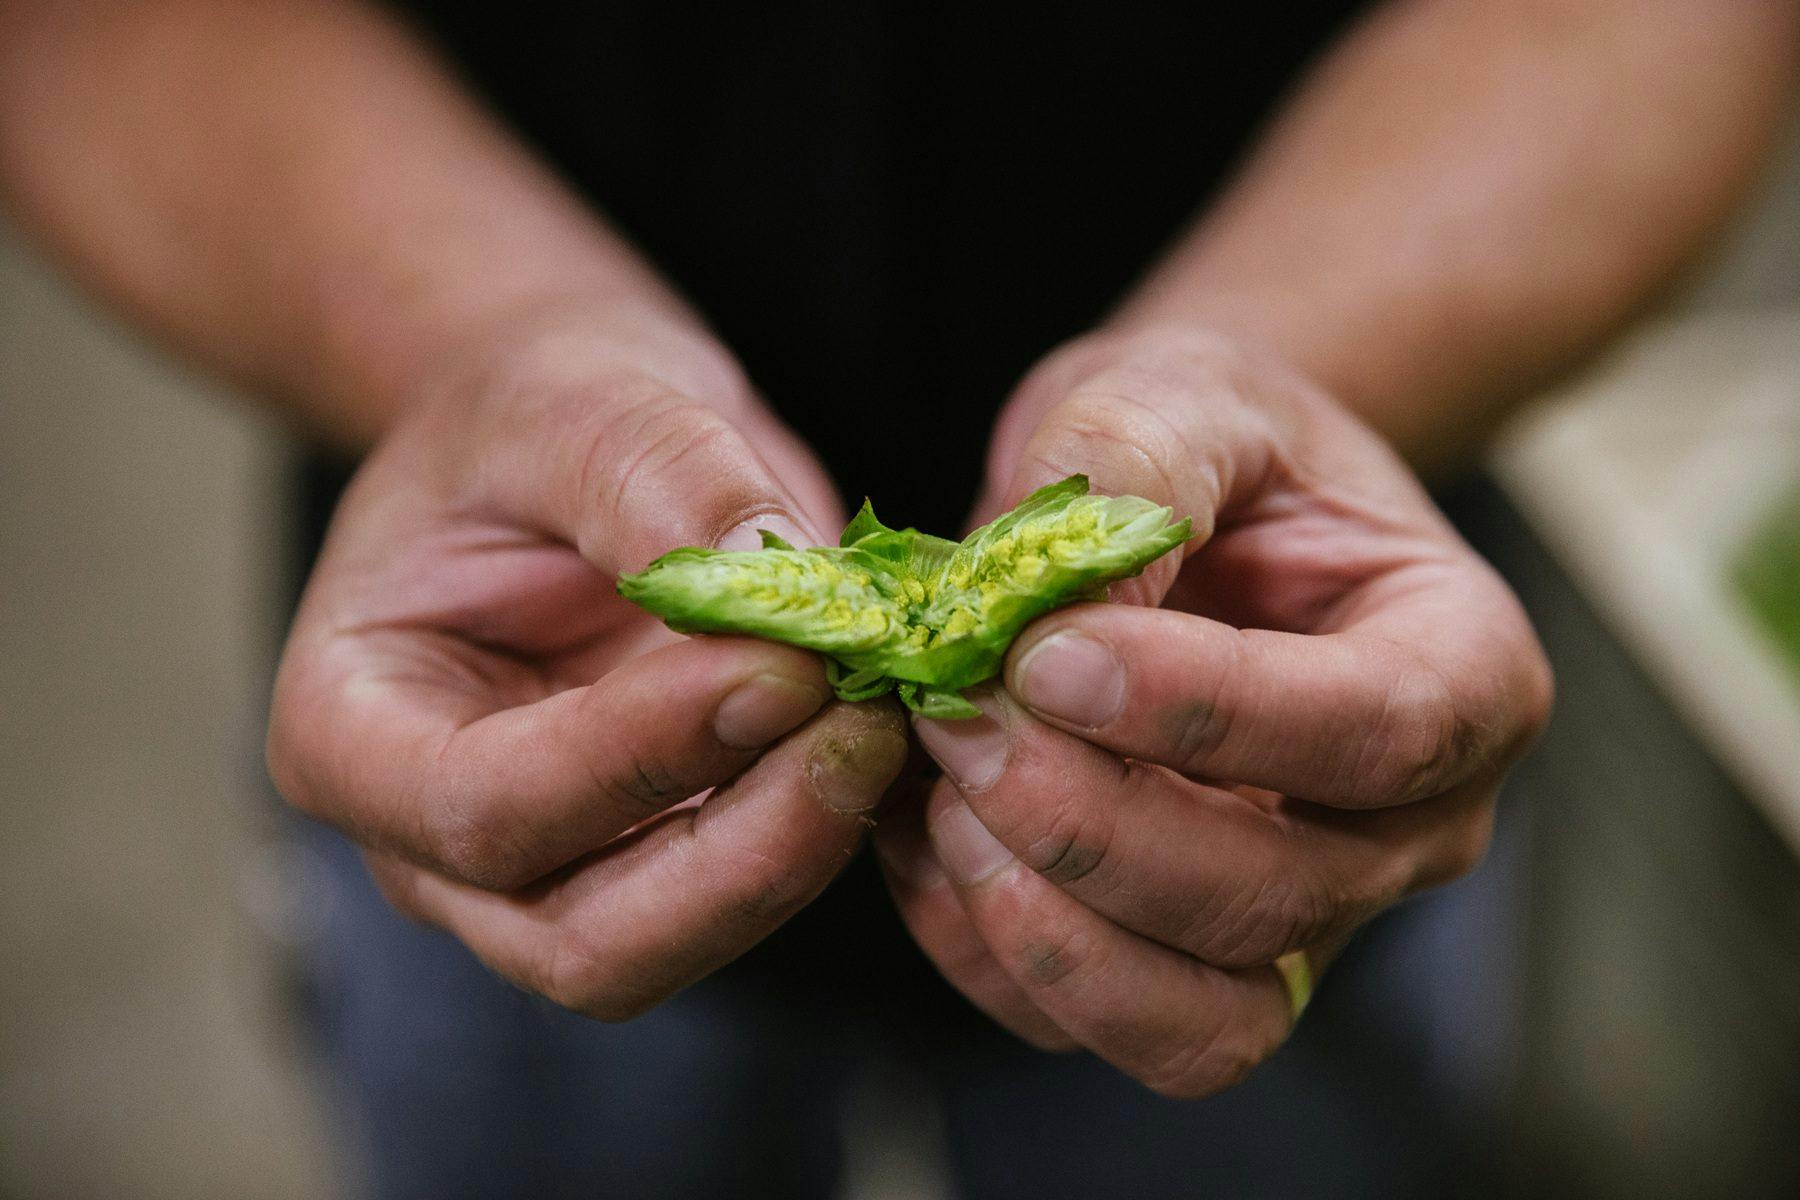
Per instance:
(581,976)
(398,885)
(475,843)
(1196,726)
(282,761)
(641,789)
(1417,743)
(1196,729)
(1122,438)
(656,455)
(1189,1069)
(1465,850)
(767,889)
(287,754)
(1050,961)
(1255,921)
(1074,844)
(1047,953)
(1539,697)
(673,435)
(1045,1037)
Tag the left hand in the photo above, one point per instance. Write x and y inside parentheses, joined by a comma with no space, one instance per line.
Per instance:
(1294,721)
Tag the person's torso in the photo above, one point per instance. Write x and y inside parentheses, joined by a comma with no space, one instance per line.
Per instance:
(888,211)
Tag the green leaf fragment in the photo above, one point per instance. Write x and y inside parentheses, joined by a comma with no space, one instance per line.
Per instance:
(865,684)
(896,607)
(941,704)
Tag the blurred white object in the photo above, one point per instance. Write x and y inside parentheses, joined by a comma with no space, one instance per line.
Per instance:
(1646,477)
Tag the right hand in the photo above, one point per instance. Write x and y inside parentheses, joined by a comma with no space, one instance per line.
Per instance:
(464,694)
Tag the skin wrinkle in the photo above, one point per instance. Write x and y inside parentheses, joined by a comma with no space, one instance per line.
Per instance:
(1204,911)
(1179,1075)
(620,421)
(641,386)
(1065,858)
(473,837)
(1389,590)
(426,655)
(1376,547)
(1094,429)
(1429,730)
(1067,863)
(478,678)
(1323,596)
(649,796)
(1197,740)
(1061,961)
(690,427)
(495,633)
(1265,914)
(1167,444)
(1335,901)
(769,890)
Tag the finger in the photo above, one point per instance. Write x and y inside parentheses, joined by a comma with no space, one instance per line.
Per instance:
(1224,435)
(1181,1027)
(1424,667)
(1439,678)
(629,926)
(1219,875)
(935,917)
(625,468)
(386,736)
(1178,432)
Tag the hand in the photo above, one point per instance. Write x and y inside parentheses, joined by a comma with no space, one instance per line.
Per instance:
(465,695)
(1164,801)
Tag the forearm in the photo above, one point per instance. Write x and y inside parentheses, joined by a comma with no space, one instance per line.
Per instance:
(1466,196)
(296,194)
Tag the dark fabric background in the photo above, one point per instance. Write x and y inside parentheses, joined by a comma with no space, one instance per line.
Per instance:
(889,211)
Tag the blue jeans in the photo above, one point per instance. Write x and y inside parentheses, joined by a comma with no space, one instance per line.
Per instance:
(452,1083)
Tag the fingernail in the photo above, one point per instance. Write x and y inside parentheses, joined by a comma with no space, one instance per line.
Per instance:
(973,751)
(851,776)
(1073,678)
(911,859)
(762,708)
(963,844)
(748,536)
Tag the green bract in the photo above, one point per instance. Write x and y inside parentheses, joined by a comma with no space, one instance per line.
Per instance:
(900,609)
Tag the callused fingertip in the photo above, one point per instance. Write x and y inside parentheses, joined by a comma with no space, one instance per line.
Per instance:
(851,774)
(965,847)
(1070,677)
(763,708)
